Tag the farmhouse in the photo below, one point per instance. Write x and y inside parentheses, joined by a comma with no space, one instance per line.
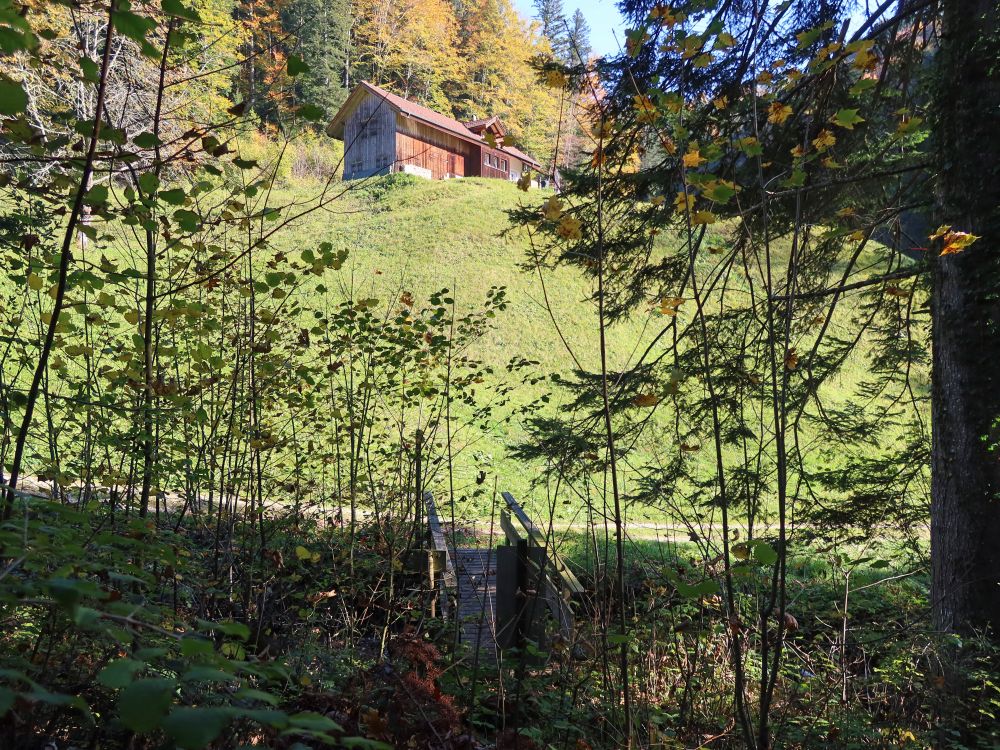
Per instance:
(385,133)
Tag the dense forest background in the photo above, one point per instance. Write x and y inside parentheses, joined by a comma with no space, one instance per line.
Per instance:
(290,59)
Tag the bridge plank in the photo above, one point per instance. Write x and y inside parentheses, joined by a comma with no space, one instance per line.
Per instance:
(477,587)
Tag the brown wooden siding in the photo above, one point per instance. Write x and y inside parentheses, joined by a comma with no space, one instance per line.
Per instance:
(429,148)
(369,139)
(494,163)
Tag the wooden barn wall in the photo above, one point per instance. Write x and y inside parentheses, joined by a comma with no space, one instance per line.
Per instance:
(427,147)
(486,170)
(369,138)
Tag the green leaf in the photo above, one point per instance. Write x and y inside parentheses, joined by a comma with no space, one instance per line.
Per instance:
(97,195)
(207,674)
(177,9)
(175,197)
(296,65)
(195,728)
(249,694)
(149,182)
(314,722)
(312,113)
(764,552)
(13,100)
(196,647)
(131,25)
(91,70)
(235,629)
(120,673)
(705,588)
(143,704)
(847,118)
(147,140)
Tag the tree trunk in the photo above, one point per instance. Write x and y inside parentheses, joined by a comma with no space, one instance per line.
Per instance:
(965,463)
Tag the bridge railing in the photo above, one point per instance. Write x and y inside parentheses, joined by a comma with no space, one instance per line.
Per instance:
(440,567)
(535,569)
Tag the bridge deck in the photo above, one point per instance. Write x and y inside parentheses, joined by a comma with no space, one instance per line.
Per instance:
(477,589)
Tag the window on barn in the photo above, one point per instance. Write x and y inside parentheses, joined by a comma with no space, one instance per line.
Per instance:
(486,159)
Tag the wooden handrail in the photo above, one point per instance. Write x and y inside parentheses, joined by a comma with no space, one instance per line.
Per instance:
(537,538)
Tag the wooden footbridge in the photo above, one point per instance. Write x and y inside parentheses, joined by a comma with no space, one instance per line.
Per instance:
(506,595)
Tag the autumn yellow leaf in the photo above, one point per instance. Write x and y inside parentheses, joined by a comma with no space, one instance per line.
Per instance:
(798,152)
(645,110)
(646,399)
(703,217)
(953,241)
(657,200)
(569,228)
(791,359)
(693,158)
(824,140)
(895,291)
(777,113)
(669,305)
(524,181)
(684,202)
(552,208)
(556,79)
(664,14)
(668,144)
(720,102)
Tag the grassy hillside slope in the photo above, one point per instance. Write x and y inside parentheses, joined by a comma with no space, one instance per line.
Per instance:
(408,234)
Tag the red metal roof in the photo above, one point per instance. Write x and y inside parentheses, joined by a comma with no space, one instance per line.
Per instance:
(429,116)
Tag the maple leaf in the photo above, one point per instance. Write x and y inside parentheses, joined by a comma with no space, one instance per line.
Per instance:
(953,241)
(569,228)
(556,79)
(791,359)
(524,181)
(553,208)
(669,305)
(645,109)
(824,140)
(693,159)
(847,119)
(703,217)
(684,202)
(664,15)
(646,399)
(668,144)
(895,291)
(777,113)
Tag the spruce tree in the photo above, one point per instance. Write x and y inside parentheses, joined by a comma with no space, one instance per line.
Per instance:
(320,34)
(578,38)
